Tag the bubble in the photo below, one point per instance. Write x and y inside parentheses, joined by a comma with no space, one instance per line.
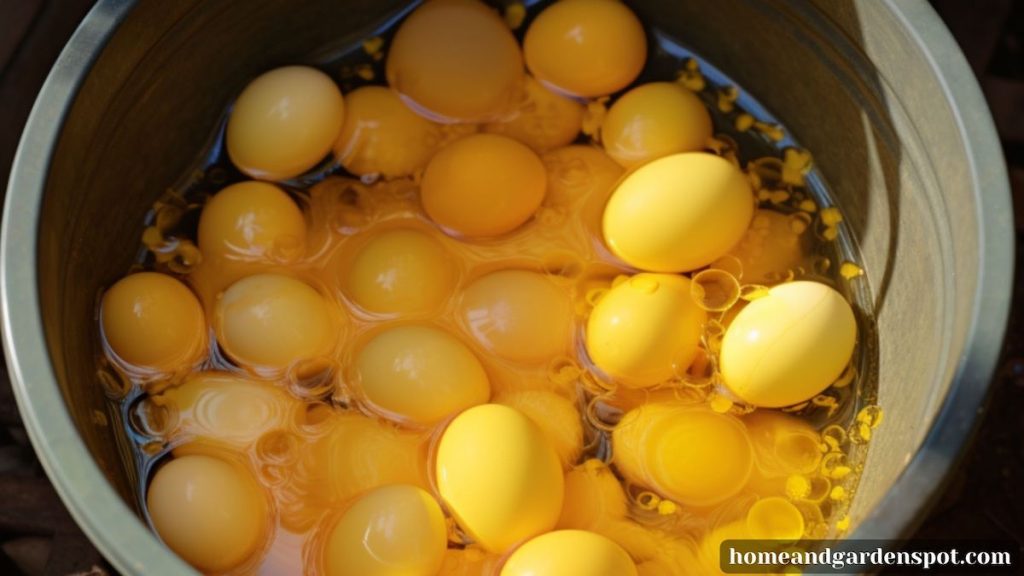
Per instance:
(715,290)
(313,378)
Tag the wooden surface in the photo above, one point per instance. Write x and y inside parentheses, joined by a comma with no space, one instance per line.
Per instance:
(38,537)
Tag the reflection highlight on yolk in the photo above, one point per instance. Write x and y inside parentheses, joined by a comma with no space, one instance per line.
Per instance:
(654,120)
(400,272)
(391,530)
(210,512)
(284,122)
(483,185)
(586,48)
(381,135)
(456,60)
(645,330)
(518,315)
(252,222)
(154,322)
(421,374)
(692,455)
(272,320)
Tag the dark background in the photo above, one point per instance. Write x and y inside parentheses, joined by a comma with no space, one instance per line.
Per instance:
(983,499)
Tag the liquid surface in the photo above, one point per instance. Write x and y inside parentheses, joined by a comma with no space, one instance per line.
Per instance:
(341,294)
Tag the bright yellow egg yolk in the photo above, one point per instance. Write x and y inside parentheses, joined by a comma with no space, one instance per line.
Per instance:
(693,456)
(645,330)
(400,272)
(154,322)
(210,512)
(469,561)
(456,60)
(544,121)
(483,185)
(227,409)
(272,321)
(397,529)
(775,518)
(252,221)
(586,48)
(593,497)
(771,247)
(556,416)
(788,346)
(498,476)
(569,553)
(420,374)
(655,120)
(381,135)
(284,122)
(678,213)
(518,315)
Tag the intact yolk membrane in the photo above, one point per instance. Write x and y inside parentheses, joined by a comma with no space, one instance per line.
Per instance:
(421,374)
(209,511)
(645,330)
(655,120)
(586,48)
(402,271)
(456,61)
(518,315)
(691,455)
(284,122)
(153,322)
(483,185)
(396,529)
(271,321)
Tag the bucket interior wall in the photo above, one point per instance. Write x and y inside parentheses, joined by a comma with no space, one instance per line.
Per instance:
(842,75)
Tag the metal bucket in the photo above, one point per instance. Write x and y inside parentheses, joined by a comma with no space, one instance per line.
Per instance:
(877,89)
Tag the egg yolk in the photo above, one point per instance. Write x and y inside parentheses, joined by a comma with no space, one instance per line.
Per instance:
(400,272)
(210,512)
(556,416)
(154,322)
(586,48)
(456,60)
(396,529)
(381,135)
(519,315)
(227,409)
(692,455)
(593,497)
(678,213)
(569,553)
(788,346)
(499,476)
(771,247)
(284,122)
(252,221)
(645,330)
(362,453)
(483,185)
(711,545)
(271,321)
(420,374)
(544,121)
(775,518)
(655,120)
